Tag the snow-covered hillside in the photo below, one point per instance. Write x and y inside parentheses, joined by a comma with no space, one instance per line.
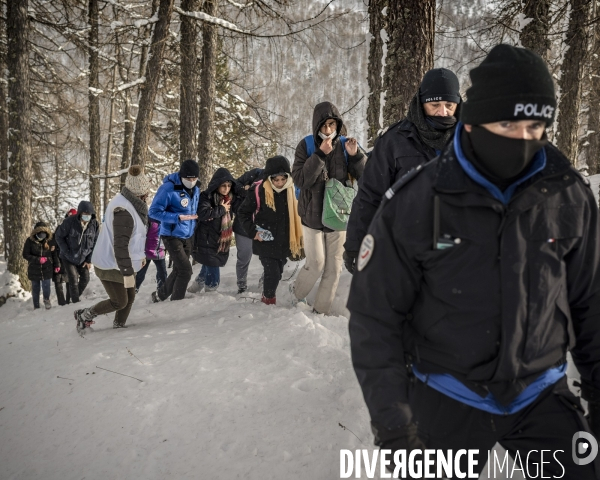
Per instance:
(222,388)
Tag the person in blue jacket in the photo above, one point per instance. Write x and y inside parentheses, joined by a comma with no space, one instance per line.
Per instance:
(174,206)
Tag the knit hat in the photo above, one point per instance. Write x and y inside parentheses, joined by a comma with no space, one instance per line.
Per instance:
(72,211)
(439,85)
(136,182)
(41,224)
(510,84)
(189,169)
(278,165)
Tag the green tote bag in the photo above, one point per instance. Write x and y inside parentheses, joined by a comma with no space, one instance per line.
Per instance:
(337,204)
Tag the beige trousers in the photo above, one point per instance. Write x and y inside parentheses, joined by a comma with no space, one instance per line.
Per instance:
(323,257)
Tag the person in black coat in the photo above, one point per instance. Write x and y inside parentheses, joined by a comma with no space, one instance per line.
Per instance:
(214,232)
(243,242)
(43,261)
(415,140)
(60,276)
(76,238)
(273,222)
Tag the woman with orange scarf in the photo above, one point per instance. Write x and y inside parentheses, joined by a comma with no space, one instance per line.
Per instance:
(269,215)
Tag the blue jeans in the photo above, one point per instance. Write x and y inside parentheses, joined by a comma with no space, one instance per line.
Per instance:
(35,290)
(210,277)
(161,273)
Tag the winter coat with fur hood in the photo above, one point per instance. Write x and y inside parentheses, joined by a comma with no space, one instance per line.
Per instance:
(35,249)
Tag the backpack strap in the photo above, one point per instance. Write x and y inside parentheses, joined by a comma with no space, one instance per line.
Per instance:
(257,196)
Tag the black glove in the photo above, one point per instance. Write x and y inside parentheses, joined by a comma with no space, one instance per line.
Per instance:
(403,438)
(592,395)
(350,260)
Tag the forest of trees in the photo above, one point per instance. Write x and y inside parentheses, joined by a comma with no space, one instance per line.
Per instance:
(89,88)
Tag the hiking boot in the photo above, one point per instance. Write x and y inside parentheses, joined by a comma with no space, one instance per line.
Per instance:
(47,304)
(242,287)
(208,289)
(118,325)
(268,301)
(295,300)
(84,318)
(195,287)
(155,297)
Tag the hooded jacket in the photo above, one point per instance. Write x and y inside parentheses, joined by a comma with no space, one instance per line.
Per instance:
(35,249)
(247,179)
(309,172)
(76,244)
(276,221)
(170,201)
(517,287)
(206,238)
(396,151)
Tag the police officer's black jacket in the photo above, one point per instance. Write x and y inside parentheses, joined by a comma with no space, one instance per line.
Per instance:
(497,309)
(395,152)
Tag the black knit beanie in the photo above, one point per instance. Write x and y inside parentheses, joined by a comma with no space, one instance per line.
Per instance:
(278,165)
(439,85)
(510,84)
(189,169)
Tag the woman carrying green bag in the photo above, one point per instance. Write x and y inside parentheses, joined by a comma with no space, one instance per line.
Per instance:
(326,156)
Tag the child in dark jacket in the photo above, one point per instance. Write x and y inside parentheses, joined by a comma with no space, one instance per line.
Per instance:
(269,215)
(42,257)
(214,232)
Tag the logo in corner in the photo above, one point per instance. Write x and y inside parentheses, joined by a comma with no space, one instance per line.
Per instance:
(366,250)
(584,443)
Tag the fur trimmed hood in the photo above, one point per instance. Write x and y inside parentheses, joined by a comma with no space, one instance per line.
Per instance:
(41,227)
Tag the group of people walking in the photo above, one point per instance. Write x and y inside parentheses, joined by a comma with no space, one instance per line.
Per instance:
(273,212)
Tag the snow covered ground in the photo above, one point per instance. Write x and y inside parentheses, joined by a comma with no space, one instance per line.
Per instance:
(223,388)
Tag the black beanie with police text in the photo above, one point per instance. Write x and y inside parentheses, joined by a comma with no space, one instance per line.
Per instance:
(439,84)
(511,83)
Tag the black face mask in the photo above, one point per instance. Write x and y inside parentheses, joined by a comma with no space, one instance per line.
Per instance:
(503,157)
(441,123)
(41,236)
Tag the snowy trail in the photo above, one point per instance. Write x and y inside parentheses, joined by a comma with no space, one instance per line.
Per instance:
(230,389)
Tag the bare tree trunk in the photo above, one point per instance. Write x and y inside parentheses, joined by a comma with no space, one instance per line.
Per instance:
(534,35)
(146,103)
(20,170)
(377,24)
(109,140)
(188,107)
(571,77)
(411,28)
(593,150)
(3,134)
(206,131)
(94,106)
(145,47)
(57,212)
(127,139)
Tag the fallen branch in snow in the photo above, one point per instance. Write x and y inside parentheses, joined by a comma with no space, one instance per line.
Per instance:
(130,353)
(105,369)
(65,378)
(346,428)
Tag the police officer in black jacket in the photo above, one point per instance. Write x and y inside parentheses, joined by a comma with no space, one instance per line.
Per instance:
(462,312)
(428,126)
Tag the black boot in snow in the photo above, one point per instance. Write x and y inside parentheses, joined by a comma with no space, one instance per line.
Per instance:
(84,318)
(118,325)
(155,297)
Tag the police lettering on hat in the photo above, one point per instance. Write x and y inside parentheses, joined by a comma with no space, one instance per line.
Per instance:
(511,83)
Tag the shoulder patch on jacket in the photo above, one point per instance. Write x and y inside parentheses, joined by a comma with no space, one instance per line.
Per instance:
(366,251)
